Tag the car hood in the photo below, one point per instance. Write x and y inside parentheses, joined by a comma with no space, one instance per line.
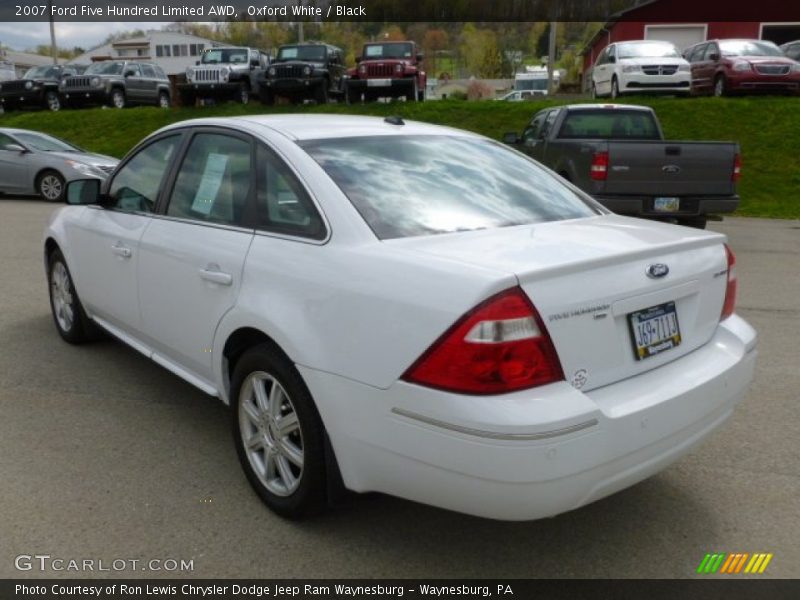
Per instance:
(759,60)
(89,158)
(654,60)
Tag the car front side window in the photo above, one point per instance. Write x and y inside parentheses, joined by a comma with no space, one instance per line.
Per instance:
(214,180)
(136,185)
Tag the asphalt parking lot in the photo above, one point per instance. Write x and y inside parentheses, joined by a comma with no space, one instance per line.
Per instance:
(105,455)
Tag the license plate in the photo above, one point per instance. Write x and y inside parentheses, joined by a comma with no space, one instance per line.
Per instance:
(667,205)
(654,330)
(379,82)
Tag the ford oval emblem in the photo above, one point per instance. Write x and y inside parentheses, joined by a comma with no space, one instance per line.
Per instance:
(657,270)
(671,169)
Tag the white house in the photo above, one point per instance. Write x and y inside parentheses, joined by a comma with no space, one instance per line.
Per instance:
(23,61)
(172,51)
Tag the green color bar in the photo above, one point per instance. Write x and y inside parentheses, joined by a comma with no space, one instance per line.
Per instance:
(703,563)
(718,563)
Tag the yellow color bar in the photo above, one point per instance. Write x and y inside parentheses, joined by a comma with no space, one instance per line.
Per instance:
(759,558)
(765,563)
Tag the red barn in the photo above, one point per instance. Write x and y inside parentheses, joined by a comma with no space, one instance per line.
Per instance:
(686,22)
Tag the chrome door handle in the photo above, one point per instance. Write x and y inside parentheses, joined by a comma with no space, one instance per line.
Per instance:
(214,275)
(121,250)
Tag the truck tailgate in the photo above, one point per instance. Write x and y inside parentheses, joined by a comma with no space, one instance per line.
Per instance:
(660,168)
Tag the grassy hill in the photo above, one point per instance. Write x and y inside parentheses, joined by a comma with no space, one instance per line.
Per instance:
(767,128)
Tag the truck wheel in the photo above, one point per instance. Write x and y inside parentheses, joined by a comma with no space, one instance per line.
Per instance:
(52,101)
(244,93)
(50,186)
(163,100)
(118,98)
(614,89)
(353,96)
(720,87)
(412,95)
(594,91)
(187,99)
(321,95)
(421,96)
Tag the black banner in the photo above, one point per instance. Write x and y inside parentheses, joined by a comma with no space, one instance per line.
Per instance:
(398,10)
(544,589)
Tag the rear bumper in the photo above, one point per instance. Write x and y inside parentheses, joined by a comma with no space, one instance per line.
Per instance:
(535,453)
(689,205)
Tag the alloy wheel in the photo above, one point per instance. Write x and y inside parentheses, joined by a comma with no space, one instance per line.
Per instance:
(63,298)
(51,187)
(53,103)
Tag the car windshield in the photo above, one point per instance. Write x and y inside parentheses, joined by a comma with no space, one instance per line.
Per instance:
(427,184)
(647,50)
(224,55)
(45,143)
(49,72)
(104,68)
(310,53)
(616,124)
(389,50)
(749,48)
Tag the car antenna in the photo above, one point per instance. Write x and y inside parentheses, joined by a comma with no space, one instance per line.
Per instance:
(394,120)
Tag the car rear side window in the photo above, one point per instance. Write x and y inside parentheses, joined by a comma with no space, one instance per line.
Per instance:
(605,123)
(414,185)
(214,180)
(283,204)
(148,71)
(135,186)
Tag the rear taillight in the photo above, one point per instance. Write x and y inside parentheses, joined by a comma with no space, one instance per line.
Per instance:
(599,169)
(730,290)
(737,168)
(499,346)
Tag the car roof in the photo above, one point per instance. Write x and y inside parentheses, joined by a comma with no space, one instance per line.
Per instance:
(12,131)
(609,106)
(310,127)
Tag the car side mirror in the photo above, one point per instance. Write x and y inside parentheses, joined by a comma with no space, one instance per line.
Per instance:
(129,73)
(511,138)
(714,56)
(358,59)
(612,59)
(83,191)
(15,148)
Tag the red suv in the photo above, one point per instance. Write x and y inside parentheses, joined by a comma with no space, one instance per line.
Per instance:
(721,67)
(387,70)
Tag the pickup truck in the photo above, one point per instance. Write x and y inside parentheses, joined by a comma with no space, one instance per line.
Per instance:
(618,154)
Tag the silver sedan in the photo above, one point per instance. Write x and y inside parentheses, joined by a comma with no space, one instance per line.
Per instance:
(37,163)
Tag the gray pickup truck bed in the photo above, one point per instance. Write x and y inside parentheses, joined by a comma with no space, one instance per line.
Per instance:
(617,154)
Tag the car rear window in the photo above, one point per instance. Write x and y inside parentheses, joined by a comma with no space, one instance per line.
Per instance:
(615,124)
(422,185)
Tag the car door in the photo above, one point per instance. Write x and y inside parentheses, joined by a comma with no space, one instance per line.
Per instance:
(134,83)
(104,244)
(190,268)
(149,84)
(532,142)
(600,76)
(695,58)
(14,167)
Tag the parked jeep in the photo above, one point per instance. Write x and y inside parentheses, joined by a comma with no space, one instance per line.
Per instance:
(38,88)
(387,70)
(117,83)
(224,73)
(311,70)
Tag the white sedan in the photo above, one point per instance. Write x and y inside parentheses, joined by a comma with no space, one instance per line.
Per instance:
(396,307)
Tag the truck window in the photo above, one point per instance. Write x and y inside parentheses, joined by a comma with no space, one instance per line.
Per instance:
(615,124)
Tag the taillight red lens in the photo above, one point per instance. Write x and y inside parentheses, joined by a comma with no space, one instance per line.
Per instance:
(737,168)
(730,291)
(599,169)
(499,346)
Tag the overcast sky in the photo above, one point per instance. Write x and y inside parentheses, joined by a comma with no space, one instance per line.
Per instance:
(21,36)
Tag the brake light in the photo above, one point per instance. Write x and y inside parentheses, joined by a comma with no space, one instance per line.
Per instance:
(737,168)
(599,169)
(730,290)
(499,346)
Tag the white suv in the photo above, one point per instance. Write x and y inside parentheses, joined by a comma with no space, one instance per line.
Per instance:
(641,66)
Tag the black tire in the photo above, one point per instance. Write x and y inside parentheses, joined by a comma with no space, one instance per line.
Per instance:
(117,98)
(321,93)
(614,88)
(720,86)
(267,97)
(50,186)
(696,222)
(188,99)
(243,97)
(411,96)
(78,329)
(308,495)
(52,101)
(353,96)
(164,100)
(421,95)
(594,92)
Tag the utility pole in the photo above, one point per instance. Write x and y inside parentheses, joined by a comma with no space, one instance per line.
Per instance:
(551,59)
(53,47)
(300,28)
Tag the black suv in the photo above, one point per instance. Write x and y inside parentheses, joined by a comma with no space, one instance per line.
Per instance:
(304,71)
(117,83)
(38,88)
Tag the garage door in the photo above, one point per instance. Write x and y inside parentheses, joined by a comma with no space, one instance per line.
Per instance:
(682,36)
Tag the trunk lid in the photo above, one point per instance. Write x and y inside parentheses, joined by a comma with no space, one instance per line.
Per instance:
(586,276)
(670,168)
